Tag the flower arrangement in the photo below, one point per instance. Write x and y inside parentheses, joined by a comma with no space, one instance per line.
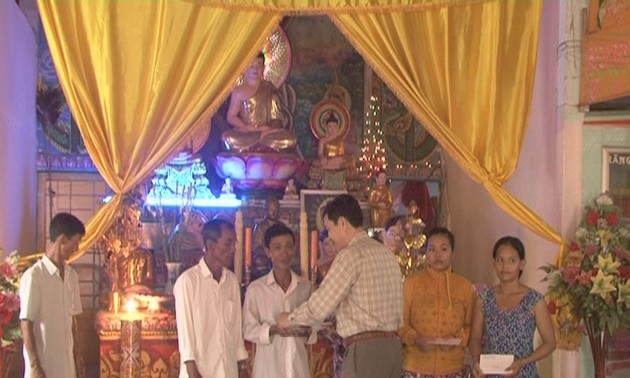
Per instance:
(9,300)
(590,289)
(169,223)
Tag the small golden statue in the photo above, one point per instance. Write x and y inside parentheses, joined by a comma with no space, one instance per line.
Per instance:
(380,201)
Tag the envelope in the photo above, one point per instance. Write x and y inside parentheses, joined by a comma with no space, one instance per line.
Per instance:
(495,363)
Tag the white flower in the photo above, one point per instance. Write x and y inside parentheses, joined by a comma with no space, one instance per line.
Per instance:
(581,233)
(554,278)
(603,200)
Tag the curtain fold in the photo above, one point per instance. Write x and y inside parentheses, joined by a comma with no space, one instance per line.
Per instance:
(137,85)
(139,76)
(468,73)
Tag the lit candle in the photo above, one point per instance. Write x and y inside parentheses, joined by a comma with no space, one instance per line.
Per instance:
(314,240)
(248,246)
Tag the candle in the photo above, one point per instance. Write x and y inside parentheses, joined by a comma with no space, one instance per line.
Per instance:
(130,341)
(239,253)
(314,240)
(304,244)
(248,246)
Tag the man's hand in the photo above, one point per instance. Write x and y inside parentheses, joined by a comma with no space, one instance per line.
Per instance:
(191,369)
(283,320)
(243,370)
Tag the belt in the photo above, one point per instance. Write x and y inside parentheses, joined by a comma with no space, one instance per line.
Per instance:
(367,335)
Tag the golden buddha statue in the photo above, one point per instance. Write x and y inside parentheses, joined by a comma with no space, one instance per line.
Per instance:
(331,150)
(380,201)
(260,119)
(135,271)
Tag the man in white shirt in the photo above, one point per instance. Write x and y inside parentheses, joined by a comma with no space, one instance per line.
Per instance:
(208,310)
(278,353)
(50,301)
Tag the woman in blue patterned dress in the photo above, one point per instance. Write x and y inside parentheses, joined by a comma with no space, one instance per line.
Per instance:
(506,316)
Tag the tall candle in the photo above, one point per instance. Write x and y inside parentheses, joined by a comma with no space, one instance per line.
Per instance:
(314,240)
(240,251)
(248,246)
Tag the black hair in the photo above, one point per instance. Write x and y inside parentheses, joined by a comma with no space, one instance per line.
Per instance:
(345,206)
(65,224)
(442,231)
(277,229)
(331,118)
(261,55)
(510,241)
(391,222)
(213,229)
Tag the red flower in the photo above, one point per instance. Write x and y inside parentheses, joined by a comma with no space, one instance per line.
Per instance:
(592,217)
(570,274)
(9,304)
(574,246)
(591,250)
(584,278)
(624,272)
(612,219)
(552,307)
(7,271)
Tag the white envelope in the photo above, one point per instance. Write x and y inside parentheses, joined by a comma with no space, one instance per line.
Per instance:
(495,363)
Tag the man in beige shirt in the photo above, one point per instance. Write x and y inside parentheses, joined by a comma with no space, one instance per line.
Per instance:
(364,289)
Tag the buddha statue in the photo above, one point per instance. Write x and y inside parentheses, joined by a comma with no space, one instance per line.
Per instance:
(135,272)
(261,122)
(380,201)
(331,151)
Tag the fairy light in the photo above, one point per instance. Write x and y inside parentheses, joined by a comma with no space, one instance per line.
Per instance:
(373,157)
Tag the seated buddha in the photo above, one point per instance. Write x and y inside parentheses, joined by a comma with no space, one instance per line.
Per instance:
(331,151)
(259,118)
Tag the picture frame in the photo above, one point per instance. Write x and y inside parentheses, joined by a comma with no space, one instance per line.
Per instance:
(313,201)
(616,177)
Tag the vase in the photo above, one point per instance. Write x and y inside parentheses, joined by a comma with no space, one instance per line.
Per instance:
(172,272)
(598,339)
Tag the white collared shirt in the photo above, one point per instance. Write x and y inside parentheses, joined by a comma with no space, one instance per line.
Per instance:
(276,356)
(49,302)
(209,328)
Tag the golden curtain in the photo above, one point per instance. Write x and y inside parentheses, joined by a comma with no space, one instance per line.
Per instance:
(139,75)
(468,73)
(464,67)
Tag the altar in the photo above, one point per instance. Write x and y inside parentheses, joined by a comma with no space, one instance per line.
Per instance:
(155,352)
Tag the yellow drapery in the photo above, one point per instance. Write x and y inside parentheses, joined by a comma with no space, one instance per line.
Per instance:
(139,75)
(466,71)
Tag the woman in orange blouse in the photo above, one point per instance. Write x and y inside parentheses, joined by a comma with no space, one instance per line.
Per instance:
(437,314)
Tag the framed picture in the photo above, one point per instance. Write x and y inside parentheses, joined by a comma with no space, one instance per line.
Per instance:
(313,202)
(616,176)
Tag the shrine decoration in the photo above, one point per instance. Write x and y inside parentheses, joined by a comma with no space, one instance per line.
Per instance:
(373,157)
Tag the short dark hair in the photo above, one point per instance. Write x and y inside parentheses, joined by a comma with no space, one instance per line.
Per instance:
(213,229)
(392,221)
(346,206)
(277,229)
(443,231)
(65,224)
(510,241)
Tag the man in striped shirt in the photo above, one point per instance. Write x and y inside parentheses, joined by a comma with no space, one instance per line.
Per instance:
(364,289)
